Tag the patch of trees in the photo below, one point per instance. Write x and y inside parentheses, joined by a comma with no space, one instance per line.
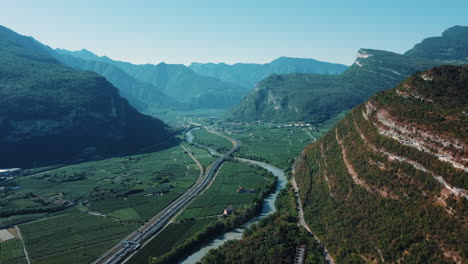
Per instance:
(63,176)
(273,239)
(24,211)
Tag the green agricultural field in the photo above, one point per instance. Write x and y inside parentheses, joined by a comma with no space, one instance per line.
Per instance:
(205,138)
(82,255)
(178,117)
(274,145)
(174,234)
(73,211)
(223,191)
(69,232)
(201,155)
(206,208)
(11,252)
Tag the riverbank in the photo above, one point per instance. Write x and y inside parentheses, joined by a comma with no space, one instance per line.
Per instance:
(268,208)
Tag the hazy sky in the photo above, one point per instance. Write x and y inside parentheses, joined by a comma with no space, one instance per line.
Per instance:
(184,31)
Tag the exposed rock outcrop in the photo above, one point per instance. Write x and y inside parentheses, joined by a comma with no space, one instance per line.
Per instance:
(397,167)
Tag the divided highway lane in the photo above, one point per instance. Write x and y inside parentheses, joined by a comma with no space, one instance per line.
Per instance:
(132,242)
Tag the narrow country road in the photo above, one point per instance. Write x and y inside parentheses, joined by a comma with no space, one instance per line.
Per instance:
(194,159)
(24,245)
(310,135)
(303,223)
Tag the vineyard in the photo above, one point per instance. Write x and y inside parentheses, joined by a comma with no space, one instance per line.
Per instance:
(223,191)
(208,207)
(77,212)
(11,252)
(205,138)
(274,145)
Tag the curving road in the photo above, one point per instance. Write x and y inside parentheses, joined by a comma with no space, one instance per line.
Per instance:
(132,242)
(303,223)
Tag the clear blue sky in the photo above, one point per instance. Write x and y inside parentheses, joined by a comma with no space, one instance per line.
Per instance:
(184,31)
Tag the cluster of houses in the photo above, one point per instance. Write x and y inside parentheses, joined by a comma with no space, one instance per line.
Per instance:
(8,174)
(295,125)
(271,124)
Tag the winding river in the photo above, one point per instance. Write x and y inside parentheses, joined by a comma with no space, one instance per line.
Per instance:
(267,209)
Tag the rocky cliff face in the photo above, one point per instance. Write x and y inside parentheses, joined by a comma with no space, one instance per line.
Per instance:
(388,184)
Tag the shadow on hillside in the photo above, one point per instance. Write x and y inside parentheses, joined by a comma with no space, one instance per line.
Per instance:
(37,154)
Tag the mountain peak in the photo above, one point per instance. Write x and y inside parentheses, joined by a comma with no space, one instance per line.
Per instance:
(361,55)
(85,51)
(456,31)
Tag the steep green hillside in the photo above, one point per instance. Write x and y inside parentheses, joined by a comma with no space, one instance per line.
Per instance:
(248,74)
(177,81)
(52,113)
(451,47)
(389,183)
(317,98)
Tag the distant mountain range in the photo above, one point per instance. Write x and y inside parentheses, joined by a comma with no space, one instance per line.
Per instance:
(52,113)
(317,98)
(248,74)
(162,85)
(178,86)
(139,94)
(389,183)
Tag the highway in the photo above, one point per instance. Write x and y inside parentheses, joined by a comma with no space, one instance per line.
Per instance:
(132,242)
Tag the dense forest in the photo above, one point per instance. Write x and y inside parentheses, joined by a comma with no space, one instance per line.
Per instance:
(273,239)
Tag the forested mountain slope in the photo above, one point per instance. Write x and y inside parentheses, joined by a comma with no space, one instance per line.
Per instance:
(451,47)
(138,93)
(389,183)
(50,112)
(317,98)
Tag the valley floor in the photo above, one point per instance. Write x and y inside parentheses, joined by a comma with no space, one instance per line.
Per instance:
(75,213)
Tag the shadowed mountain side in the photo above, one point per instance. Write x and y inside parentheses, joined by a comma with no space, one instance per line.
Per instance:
(50,112)
(176,81)
(138,93)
